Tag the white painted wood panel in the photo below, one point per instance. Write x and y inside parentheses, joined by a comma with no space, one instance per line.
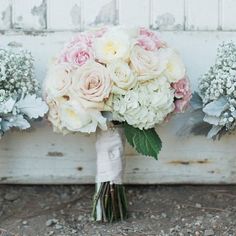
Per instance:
(228,14)
(41,156)
(167,14)
(134,12)
(99,12)
(202,14)
(29,14)
(64,15)
(5,14)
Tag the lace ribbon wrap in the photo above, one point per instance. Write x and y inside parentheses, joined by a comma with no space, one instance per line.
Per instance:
(110,155)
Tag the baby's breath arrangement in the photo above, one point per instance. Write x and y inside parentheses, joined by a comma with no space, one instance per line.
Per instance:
(19,100)
(217,96)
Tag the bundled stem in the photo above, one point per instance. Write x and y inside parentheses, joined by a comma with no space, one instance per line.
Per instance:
(112,200)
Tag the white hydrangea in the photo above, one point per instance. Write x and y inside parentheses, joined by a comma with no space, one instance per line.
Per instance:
(146,105)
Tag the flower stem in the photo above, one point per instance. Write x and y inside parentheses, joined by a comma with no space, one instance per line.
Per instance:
(111,199)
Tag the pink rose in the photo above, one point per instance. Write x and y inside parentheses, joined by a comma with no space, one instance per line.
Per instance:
(79,49)
(100,32)
(146,43)
(182,88)
(182,94)
(181,105)
(149,40)
(84,38)
(76,55)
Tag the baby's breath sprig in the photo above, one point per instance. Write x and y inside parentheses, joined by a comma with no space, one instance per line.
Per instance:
(16,74)
(220,83)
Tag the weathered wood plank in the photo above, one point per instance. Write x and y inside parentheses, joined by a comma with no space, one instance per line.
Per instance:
(29,14)
(134,13)
(167,14)
(99,12)
(64,15)
(202,15)
(41,156)
(5,14)
(228,14)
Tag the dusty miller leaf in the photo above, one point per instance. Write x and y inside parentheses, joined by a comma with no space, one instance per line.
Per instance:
(14,121)
(216,107)
(32,106)
(214,131)
(213,120)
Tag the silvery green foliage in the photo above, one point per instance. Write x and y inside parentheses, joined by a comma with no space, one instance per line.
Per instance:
(19,102)
(218,93)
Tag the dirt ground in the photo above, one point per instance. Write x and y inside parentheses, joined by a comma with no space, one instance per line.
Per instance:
(154,210)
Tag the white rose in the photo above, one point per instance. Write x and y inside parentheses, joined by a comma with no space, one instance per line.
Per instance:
(113,45)
(147,64)
(122,77)
(175,69)
(75,118)
(91,83)
(58,80)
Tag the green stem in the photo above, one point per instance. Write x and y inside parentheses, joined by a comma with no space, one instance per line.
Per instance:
(112,200)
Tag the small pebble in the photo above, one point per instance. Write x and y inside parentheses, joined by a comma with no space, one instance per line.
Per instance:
(11,196)
(209,232)
(198,205)
(163,215)
(51,222)
(197,233)
(58,226)
(24,222)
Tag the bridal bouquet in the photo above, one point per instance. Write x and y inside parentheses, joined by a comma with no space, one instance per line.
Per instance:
(19,100)
(124,82)
(216,99)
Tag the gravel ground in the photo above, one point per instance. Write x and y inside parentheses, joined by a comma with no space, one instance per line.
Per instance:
(154,210)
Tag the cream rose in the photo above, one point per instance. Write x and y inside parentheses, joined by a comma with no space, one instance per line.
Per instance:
(58,80)
(91,83)
(175,69)
(122,77)
(113,45)
(54,113)
(75,118)
(146,64)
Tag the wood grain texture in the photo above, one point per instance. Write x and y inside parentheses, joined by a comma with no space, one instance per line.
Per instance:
(41,156)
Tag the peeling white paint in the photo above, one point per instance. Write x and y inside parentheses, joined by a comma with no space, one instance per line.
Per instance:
(164,21)
(99,12)
(64,14)
(5,14)
(40,12)
(76,15)
(107,14)
(29,14)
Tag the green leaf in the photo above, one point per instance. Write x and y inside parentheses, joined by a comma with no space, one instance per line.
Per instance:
(146,142)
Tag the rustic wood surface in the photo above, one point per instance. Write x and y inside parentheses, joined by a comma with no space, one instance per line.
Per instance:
(40,156)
